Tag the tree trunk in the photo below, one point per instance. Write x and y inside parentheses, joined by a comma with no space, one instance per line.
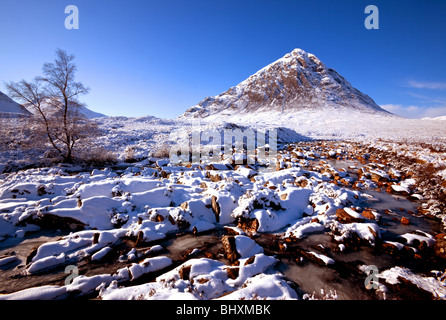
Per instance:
(68,158)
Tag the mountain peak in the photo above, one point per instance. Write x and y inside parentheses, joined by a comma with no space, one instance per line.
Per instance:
(297,81)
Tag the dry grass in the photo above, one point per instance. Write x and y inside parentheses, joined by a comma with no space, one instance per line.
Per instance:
(161,151)
(96,156)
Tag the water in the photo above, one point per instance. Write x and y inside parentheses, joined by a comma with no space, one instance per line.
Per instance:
(399,207)
(22,246)
(311,278)
(344,164)
(12,276)
(343,278)
(179,247)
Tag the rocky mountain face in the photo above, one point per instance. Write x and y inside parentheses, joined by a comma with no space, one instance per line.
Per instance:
(299,81)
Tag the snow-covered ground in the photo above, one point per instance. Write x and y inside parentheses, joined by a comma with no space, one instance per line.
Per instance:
(122,214)
(139,138)
(296,194)
(143,134)
(333,198)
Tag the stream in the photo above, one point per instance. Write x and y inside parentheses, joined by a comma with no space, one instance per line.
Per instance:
(340,281)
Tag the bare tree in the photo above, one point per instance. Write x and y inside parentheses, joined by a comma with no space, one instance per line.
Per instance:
(32,93)
(54,96)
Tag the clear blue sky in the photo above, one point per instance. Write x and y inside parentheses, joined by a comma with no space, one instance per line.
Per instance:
(161,57)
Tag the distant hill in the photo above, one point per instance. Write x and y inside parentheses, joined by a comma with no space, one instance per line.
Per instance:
(11,109)
(88,113)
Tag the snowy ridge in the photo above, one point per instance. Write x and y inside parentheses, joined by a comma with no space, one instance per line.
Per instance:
(49,106)
(90,114)
(296,82)
(10,108)
(435,118)
(142,135)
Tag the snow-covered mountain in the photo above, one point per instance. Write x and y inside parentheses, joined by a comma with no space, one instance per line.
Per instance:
(10,108)
(49,104)
(297,82)
(90,114)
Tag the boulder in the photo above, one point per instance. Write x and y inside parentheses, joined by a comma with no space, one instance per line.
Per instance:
(248,225)
(139,239)
(233,272)
(391,247)
(41,190)
(232,231)
(250,261)
(405,289)
(405,221)
(214,178)
(440,248)
(379,176)
(215,208)
(230,249)
(370,214)
(184,272)
(52,221)
(317,258)
(398,249)
(301,182)
(348,216)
